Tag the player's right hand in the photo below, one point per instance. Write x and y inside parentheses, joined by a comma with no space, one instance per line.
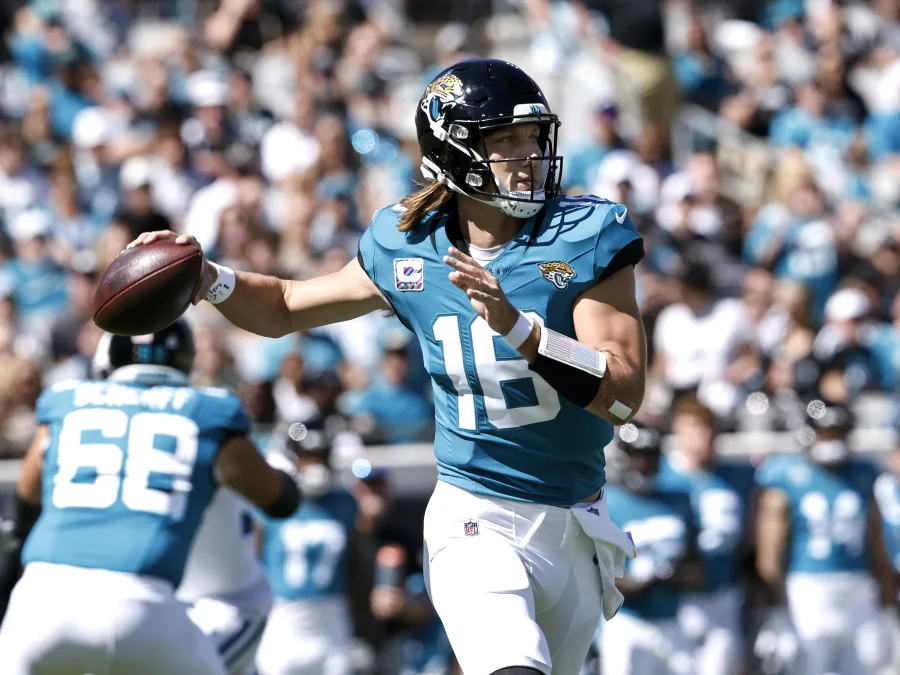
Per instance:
(207,276)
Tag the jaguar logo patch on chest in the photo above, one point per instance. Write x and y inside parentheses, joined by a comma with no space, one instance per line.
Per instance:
(558,273)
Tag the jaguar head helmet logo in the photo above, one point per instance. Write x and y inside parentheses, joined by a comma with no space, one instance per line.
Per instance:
(558,273)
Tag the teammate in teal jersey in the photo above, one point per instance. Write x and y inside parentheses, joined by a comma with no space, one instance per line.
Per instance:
(645,637)
(819,547)
(122,470)
(523,303)
(312,562)
(710,617)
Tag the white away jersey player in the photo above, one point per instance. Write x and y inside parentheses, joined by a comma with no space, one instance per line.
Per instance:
(225,583)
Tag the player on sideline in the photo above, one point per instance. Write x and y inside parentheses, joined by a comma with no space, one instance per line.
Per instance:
(225,584)
(710,616)
(312,559)
(523,302)
(819,548)
(123,470)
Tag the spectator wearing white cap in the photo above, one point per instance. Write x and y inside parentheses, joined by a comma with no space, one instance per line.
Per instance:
(209,130)
(137,212)
(97,175)
(289,147)
(37,281)
(848,366)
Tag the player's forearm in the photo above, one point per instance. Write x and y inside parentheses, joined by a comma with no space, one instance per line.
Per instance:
(258,304)
(274,307)
(621,389)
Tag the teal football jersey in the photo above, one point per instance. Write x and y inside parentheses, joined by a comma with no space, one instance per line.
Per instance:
(887,494)
(501,430)
(718,511)
(128,474)
(306,555)
(660,526)
(828,512)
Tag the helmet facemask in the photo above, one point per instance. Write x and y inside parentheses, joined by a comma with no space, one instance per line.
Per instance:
(471,172)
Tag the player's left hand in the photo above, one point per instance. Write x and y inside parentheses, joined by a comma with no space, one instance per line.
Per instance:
(483,290)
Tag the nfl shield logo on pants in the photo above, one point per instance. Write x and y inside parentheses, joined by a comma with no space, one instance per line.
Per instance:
(471,528)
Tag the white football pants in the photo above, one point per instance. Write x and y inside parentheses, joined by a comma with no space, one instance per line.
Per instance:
(70,621)
(307,637)
(839,623)
(235,624)
(514,584)
(630,645)
(712,623)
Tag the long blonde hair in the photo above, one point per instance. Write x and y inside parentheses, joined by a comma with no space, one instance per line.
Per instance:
(430,197)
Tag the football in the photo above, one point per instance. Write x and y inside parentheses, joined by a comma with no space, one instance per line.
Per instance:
(146,288)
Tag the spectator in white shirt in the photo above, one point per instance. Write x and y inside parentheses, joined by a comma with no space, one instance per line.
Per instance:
(698,339)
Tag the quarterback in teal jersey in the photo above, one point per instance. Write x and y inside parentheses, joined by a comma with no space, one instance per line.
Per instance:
(523,303)
(123,469)
(820,548)
(711,615)
(645,637)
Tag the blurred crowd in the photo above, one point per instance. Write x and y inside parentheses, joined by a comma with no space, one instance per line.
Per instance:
(273,129)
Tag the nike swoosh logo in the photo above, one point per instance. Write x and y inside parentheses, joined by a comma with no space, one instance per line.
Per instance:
(620,217)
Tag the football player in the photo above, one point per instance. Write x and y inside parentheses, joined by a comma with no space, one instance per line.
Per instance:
(645,637)
(225,584)
(711,617)
(123,470)
(819,547)
(523,302)
(311,560)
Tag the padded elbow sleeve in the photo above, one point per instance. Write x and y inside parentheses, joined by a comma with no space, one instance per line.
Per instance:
(573,383)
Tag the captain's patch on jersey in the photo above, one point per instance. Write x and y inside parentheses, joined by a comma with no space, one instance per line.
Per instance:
(557,272)
(409,274)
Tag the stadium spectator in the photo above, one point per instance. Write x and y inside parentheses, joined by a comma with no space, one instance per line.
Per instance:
(402,414)
(697,342)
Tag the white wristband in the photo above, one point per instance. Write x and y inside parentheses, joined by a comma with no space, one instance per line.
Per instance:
(223,286)
(519,332)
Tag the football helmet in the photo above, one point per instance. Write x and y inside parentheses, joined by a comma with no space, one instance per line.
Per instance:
(632,460)
(463,104)
(164,356)
(314,473)
(824,435)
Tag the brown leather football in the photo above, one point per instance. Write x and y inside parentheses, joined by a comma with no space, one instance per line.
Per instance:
(146,288)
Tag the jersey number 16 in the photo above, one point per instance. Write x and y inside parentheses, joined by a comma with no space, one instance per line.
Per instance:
(492,374)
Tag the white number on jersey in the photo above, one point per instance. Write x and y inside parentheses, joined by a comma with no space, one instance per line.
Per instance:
(491,374)
(844,525)
(720,521)
(659,542)
(125,473)
(299,538)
